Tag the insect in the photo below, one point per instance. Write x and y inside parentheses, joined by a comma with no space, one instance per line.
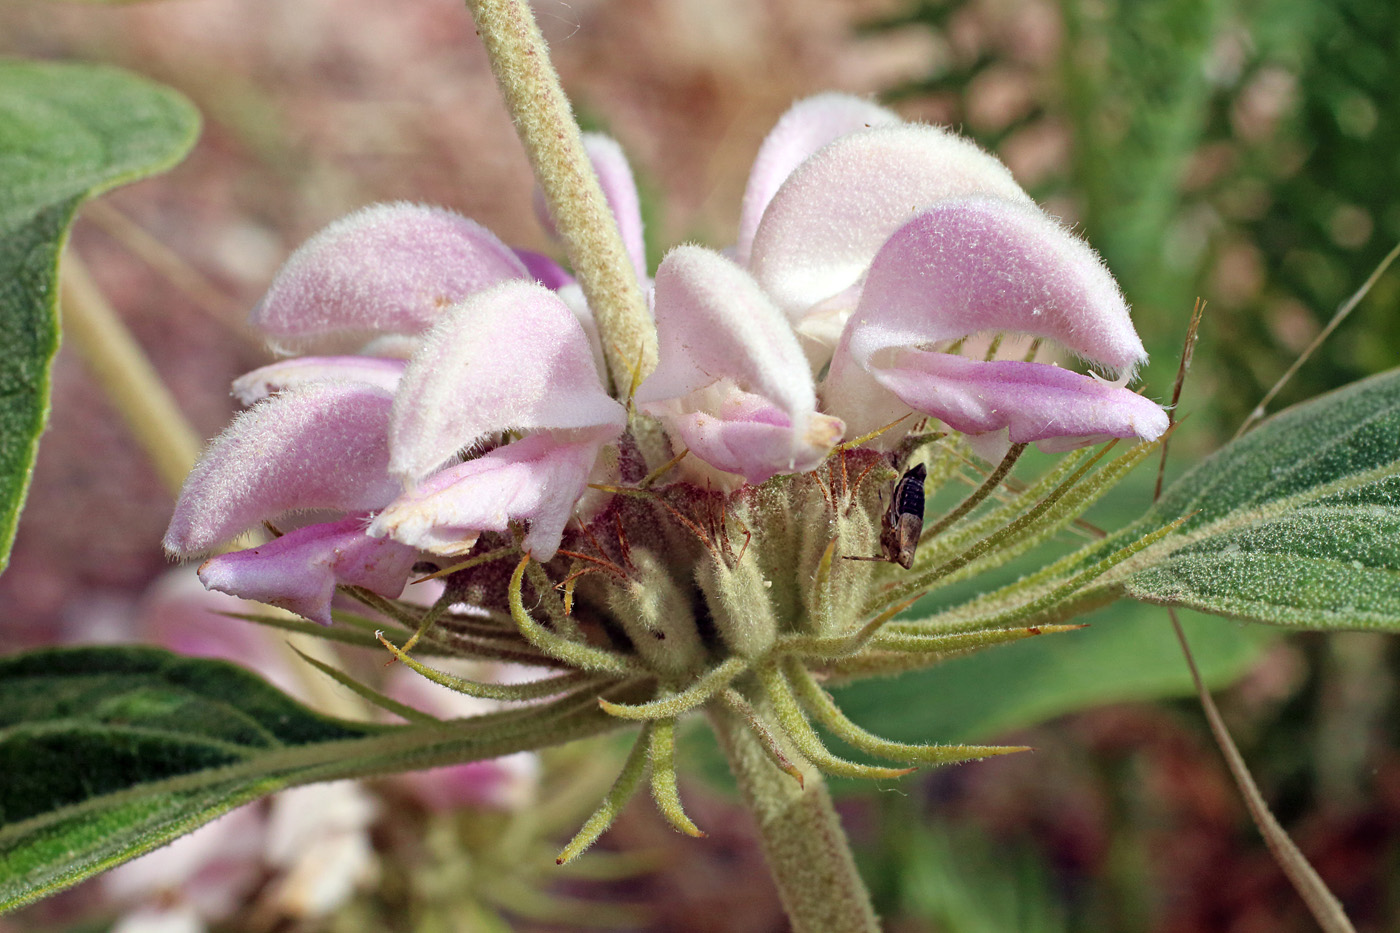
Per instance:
(903,521)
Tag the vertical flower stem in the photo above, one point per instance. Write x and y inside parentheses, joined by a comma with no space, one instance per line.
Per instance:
(126,375)
(803,841)
(545,122)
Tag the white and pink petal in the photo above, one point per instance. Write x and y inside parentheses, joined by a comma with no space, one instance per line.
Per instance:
(1032,401)
(751,438)
(976,265)
(315,446)
(511,358)
(807,126)
(732,379)
(387,267)
(981,264)
(376,371)
(538,479)
(823,227)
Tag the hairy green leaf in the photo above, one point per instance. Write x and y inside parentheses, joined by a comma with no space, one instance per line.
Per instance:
(1297,523)
(67,133)
(108,753)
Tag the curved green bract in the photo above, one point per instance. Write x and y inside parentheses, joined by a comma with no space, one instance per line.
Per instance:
(1297,523)
(108,753)
(1128,654)
(67,132)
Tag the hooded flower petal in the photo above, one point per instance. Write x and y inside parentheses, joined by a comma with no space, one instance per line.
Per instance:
(984,264)
(316,446)
(513,357)
(829,219)
(367,370)
(731,375)
(978,264)
(807,126)
(300,570)
(538,479)
(388,267)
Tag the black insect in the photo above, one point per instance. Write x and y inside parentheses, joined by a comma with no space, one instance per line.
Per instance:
(904,520)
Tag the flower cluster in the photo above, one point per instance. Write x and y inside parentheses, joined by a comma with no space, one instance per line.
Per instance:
(718,532)
(869,250)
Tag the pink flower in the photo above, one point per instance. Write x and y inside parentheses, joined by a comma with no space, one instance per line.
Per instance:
(509,359)
(885,244)
(732,384)
(868,250)
(325,434)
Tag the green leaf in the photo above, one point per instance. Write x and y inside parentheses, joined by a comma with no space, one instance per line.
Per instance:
(67,133)
(1297,523)
(108,753)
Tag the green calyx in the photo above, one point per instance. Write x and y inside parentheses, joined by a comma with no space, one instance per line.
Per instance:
(675,598)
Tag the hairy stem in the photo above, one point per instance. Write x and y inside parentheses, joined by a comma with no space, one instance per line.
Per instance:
(802,837)
(543,119)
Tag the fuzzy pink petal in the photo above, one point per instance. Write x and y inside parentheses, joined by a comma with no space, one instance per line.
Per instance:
(317,446)
(300,570)
(1034,401)
(979,264)
(807,126)
(755,440)
(538,479)
(717,329)
(513,357)
(376,371)
(829,219)
(388,267)
(713,322)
